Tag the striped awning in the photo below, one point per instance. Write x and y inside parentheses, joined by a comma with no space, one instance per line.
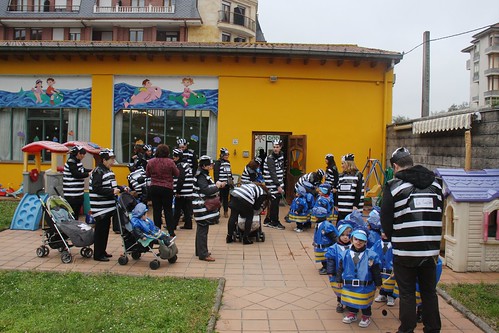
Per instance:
(443,124)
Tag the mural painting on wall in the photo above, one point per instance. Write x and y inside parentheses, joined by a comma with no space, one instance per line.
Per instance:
(173,93)
(45,91)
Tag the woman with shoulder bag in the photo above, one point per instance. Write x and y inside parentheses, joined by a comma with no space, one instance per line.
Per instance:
(204,214)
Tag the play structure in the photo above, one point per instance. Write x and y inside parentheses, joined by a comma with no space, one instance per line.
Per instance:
(373,179)
(471,217)
(29,211)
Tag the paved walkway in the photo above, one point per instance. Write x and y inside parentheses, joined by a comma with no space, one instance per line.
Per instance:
(272,286)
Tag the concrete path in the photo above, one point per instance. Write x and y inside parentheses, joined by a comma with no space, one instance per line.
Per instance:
(272,286)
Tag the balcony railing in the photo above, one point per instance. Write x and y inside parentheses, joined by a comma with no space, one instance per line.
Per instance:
(43,8)
(236,19)
(135,9)
(492,49)
(491,72)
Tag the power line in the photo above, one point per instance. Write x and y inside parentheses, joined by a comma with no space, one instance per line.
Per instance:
(445,37)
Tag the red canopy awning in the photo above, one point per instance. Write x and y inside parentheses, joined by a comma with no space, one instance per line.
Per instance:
(38,146)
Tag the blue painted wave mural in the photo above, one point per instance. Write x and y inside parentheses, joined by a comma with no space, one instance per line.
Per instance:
(77,98)
(128,96)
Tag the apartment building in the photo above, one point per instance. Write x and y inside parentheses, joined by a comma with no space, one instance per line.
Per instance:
(484,67)
(131,20)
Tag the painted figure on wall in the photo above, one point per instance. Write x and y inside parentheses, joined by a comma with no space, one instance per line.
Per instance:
(52,95)
(38,91)
(147,93)
(51,91)
(188,96)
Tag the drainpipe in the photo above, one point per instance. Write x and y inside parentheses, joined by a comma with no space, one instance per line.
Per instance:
(467,145)
(385,110)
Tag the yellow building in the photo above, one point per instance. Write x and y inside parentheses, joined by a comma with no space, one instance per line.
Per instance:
(318,98)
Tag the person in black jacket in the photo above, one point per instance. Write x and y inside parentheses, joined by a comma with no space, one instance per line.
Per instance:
(73,179)
(183,190)
(411,216)
(223,172)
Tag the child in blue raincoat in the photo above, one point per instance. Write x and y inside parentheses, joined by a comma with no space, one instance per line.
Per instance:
(359,276)
(325,235)
(333,256)
(385,252)
(299,211)
(374,226)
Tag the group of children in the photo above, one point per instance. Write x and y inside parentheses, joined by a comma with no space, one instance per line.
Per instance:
(352,251)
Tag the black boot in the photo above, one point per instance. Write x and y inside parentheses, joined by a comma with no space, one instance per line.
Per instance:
(246,241)
(229,239)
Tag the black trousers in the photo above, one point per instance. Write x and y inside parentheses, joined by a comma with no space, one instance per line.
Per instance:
(76,203)
(162,200)
(224,197)
(407,272)
(183,204)
(202,240)
(101,235)
(366,312)
(240,207)
(274,209)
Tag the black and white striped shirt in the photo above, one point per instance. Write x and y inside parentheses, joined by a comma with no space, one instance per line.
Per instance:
(73,178)
(138,180)
(187,183)
(102,185)
(222,171)
(417,216)
(248,192)
(249,175)
(350,192)
(273,172)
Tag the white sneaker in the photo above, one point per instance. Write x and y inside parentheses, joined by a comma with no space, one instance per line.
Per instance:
(365,321)
(349,318)
(298,230)
(380,299)
(390,301)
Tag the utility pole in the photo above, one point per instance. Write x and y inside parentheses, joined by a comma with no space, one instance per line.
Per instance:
(425,98)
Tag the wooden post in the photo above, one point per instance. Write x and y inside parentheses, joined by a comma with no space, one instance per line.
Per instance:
(467,144)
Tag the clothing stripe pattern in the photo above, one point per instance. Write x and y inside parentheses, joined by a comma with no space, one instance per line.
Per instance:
(350,192)
(73,187)
(101,204)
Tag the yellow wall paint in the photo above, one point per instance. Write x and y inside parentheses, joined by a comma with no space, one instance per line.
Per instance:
(341,108)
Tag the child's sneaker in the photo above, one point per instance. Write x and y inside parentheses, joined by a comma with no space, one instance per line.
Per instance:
(390,301)
(340,308)
(365,321)
(298,230)
(349,318)
(380,299)
(323,271)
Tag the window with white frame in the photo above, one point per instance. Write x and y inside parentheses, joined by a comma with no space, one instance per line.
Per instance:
(239,15)
(225,17)
(36,34)
(20,34)
(225,37)
(75,34)
(491,220)
(239,39)
(136,35)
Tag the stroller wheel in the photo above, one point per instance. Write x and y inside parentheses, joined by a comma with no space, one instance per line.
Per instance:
(86,252)
(262,237)
(46,250)
(66,257)
(173,259)
(154,264)
(136,255)
(123,260)
(40,252)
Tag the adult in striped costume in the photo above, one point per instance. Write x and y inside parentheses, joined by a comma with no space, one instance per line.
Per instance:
(244,201)
(411,216)
(314,178)
(204,188)
(349,194)
(73,179)
(223,173)
(138,181)
(189,155)
(103,189)
(183,188)
(251,172)
(331,172)
(273,174)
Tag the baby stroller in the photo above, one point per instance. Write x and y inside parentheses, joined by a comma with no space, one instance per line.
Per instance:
(256,228)
(61,231)
(130,239)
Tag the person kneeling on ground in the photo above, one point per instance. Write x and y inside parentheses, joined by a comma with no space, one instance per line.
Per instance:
(148,232)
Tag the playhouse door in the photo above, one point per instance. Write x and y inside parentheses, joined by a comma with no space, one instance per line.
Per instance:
(297,165)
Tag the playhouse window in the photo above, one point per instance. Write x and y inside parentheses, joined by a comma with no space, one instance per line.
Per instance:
(449,222)
(490,225)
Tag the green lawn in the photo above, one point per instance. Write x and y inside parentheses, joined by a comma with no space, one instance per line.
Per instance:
(7,209)
(75,302)
(481,299)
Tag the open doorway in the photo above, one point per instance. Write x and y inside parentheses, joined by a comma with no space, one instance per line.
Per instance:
(294,150)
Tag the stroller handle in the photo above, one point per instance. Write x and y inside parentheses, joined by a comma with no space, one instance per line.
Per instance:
(39,191)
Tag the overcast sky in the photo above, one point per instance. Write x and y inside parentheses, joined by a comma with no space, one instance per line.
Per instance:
(392,25)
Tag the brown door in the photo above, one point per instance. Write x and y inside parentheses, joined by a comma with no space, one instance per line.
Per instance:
(297,163)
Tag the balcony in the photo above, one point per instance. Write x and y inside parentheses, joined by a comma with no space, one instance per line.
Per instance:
(43,8)
(135,9)
(491,93)
(236,23)
(491,72)
(492,49)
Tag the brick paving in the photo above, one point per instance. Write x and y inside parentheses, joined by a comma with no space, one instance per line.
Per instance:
(271,286)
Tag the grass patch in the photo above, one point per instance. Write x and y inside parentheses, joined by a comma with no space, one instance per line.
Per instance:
(7,209)
(76,302)
(481,299)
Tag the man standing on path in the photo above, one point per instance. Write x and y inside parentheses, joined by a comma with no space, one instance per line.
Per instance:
(273,175)
(411,215)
